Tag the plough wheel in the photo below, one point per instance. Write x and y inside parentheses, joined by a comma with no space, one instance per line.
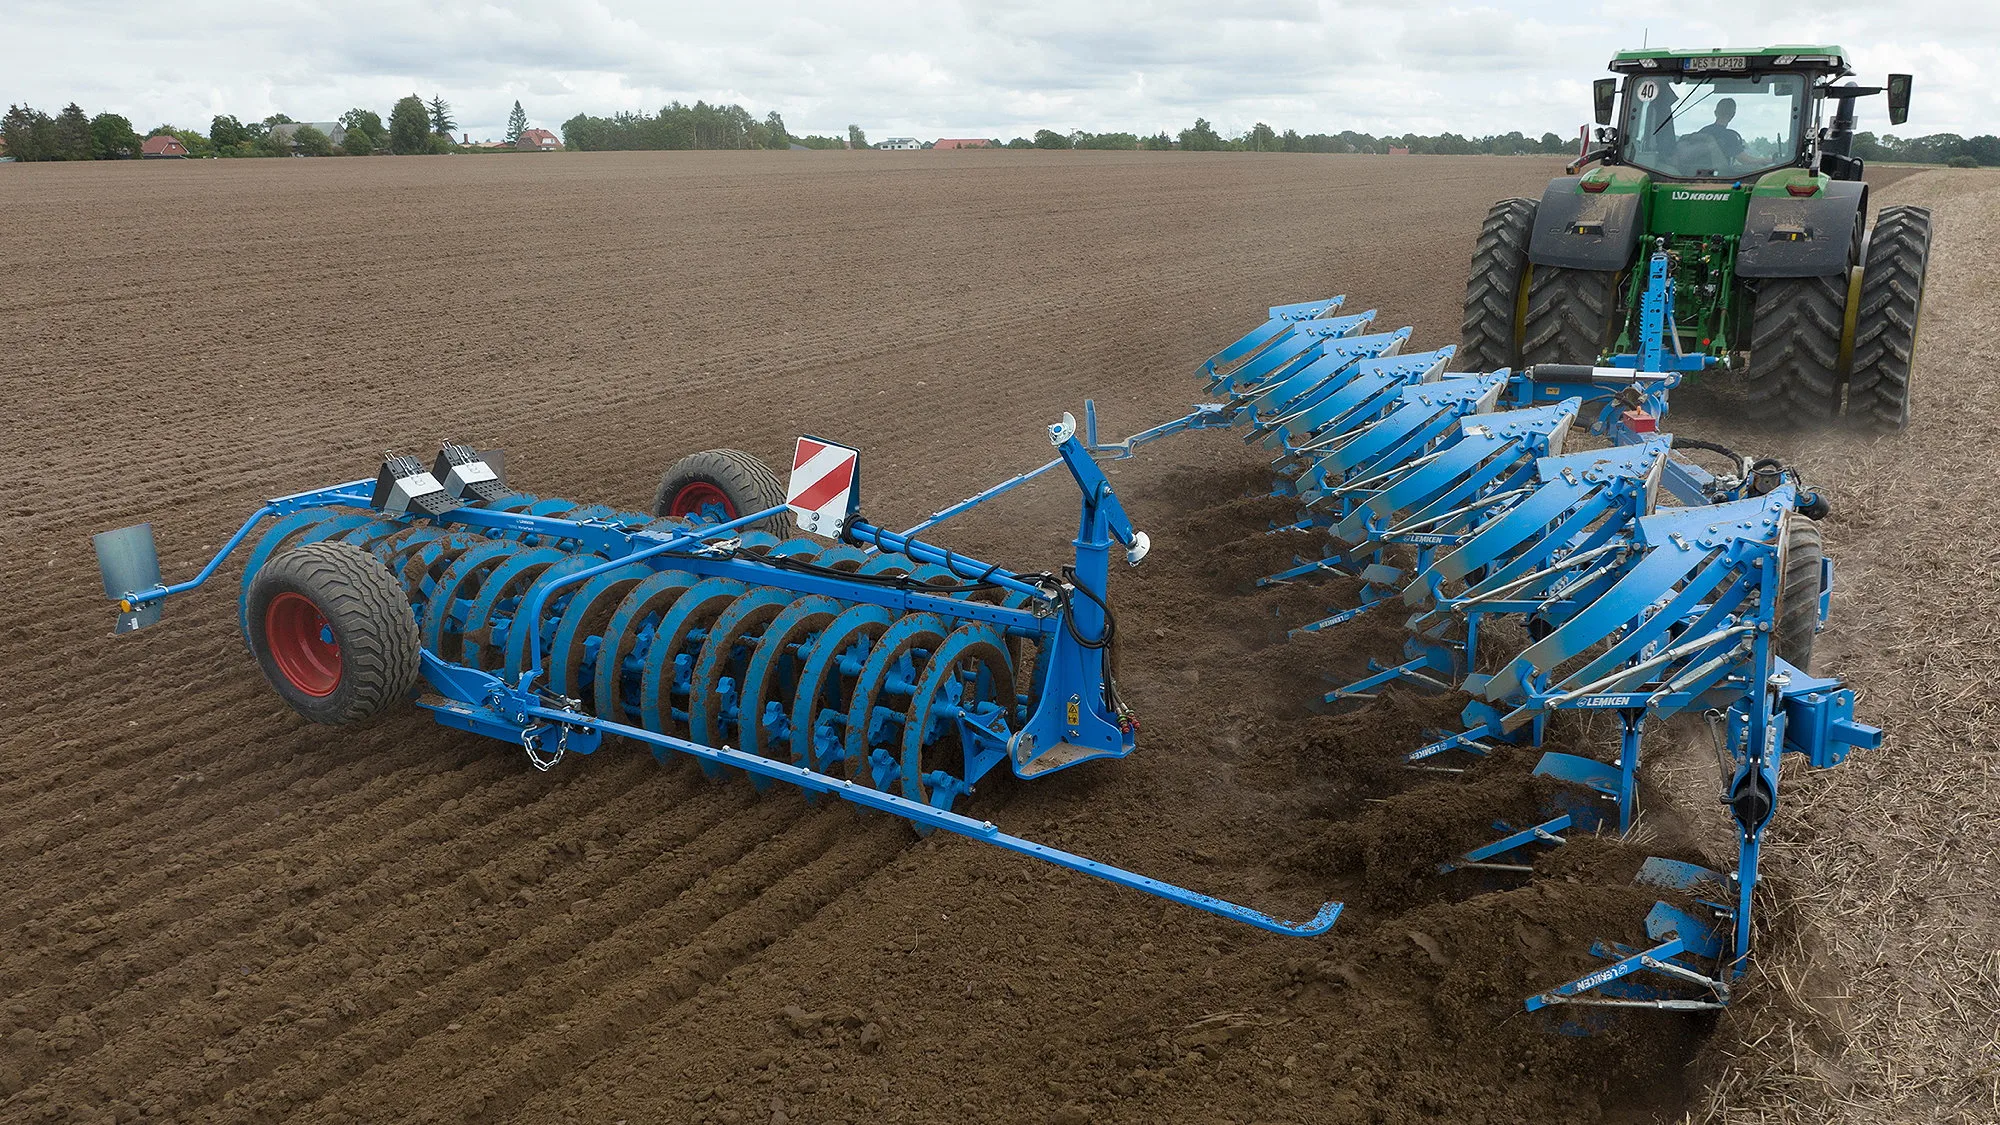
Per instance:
(1798,594)
(1569,317)
(1885,324)
(333,633)
(1493,290)
(719,485)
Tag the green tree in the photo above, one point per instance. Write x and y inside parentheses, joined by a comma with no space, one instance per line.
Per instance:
(357,142)
(856,138)
(225,132)
(517,122)
(30,134)
(775,124)
(112,138)
(276,119)
(72,133)
(1262,138)
(1202,137)
(308,141)
(195,143)
(1049,138)
(409,127)
(1020,142)
(1158,142)
(441,120)
(271,144)
(366,121)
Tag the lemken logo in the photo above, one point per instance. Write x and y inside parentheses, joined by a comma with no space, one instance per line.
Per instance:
(1702,196)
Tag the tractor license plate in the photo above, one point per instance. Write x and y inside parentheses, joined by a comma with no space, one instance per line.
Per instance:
(1719,62)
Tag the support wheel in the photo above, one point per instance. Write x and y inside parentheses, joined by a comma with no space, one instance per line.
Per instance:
(1798,595)
(719,485)
(1569,316)
(1885,321)
(333,632)
(1494,288)
(1795,349)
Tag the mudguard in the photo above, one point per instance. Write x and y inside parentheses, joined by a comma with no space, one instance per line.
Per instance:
(1784,236)
(1577,230)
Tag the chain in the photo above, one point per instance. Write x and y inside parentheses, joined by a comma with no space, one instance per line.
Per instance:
(531,741)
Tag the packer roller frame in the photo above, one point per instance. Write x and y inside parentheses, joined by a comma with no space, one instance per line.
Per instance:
(923,641)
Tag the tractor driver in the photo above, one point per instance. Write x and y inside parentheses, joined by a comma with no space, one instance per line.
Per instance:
(1728,140)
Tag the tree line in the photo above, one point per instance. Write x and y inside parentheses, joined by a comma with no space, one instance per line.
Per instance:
(418,126)
(415,126)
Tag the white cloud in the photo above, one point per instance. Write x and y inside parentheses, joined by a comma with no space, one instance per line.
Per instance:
(907,67)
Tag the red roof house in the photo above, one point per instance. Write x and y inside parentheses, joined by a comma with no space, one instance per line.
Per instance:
(164,146)
(538,140)
(962,142)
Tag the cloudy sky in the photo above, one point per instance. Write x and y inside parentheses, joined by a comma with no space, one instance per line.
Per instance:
(906,67)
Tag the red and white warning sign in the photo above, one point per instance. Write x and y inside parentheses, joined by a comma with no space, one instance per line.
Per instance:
(822,493)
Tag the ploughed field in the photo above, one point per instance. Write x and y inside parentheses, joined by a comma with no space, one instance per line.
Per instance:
(218,912)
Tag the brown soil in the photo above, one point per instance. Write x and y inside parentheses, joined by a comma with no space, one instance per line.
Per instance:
(220,913)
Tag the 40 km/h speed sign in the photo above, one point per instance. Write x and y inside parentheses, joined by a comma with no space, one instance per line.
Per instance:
(822,493)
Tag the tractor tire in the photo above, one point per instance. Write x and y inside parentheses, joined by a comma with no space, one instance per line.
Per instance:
(333,631)
(1798,593)
(725,482)
(1794,371)
(1571,315)
(1885,321)
(1493,289)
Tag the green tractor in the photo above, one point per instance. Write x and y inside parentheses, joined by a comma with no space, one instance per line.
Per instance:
(1718,157)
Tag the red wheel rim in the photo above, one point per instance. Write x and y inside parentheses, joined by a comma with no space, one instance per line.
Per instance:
(697,495)
(302,644)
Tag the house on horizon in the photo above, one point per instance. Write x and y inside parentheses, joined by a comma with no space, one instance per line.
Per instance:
(165,146)
(905,144)
(962,142)
(289,132)
(538,140)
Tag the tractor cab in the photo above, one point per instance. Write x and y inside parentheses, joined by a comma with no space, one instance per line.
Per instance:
(1733,114)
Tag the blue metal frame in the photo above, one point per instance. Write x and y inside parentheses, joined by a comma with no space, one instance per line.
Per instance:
(1073,719)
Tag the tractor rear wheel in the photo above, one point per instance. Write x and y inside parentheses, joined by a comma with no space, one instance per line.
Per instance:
(1798,593)
(719,485)
(1885,321)
(1795,348)
(333,631)
(1494,288)
(1570,317)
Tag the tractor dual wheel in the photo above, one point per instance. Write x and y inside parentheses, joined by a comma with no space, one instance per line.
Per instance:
(333,632)
(1495,288)
(719,485)
(1795,348)
(1570,315)
(1890,301)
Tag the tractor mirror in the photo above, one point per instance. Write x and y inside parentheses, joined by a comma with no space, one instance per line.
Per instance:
(1899,98)
(1605,90)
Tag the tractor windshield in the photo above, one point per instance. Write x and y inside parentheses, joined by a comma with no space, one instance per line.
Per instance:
(1712,127)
